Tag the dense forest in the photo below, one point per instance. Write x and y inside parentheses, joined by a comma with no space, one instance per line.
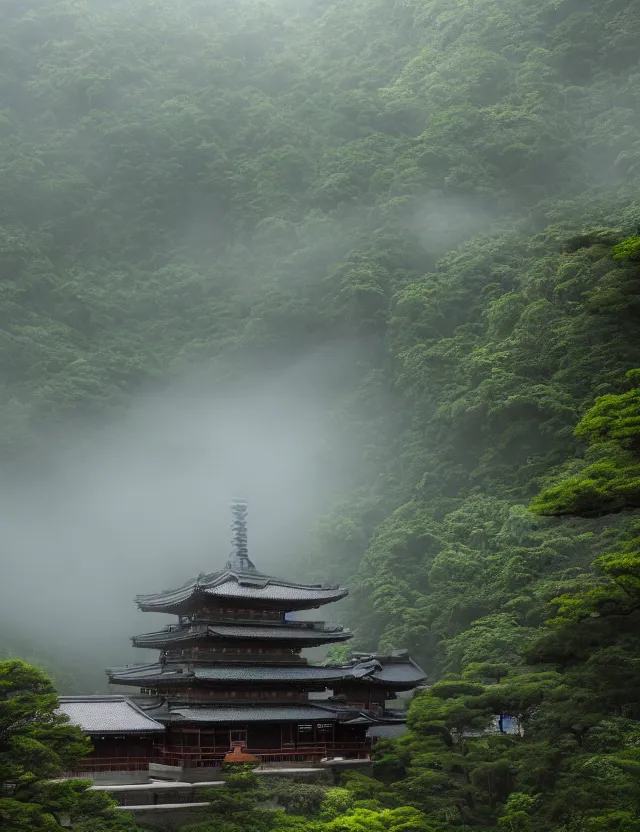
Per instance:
(449,185)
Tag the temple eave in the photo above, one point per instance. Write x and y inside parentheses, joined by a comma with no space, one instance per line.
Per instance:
(389,677)
(191,603)
(160,642)
(231,585)
(231,673)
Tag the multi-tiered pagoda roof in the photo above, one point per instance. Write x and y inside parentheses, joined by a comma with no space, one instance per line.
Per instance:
(240,581)
(231,665)
(295,634)
(398,676)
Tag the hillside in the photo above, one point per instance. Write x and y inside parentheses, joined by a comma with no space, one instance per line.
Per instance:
(439,195)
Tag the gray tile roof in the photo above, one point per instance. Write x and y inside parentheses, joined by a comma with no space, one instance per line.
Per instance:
(232,584)
(290,633)
(146,672)
(397,670)
(304,673)
(175,672)
(276,590)
(107,715)
(402,674)
(253,713)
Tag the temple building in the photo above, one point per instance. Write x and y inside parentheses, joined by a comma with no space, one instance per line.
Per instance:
(230,676)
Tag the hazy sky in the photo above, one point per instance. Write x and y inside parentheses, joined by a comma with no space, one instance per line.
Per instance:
(143,504)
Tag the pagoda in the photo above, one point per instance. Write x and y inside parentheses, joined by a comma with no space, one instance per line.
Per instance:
(231,675)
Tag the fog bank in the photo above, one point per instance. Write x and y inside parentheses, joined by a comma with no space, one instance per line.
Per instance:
(142,504)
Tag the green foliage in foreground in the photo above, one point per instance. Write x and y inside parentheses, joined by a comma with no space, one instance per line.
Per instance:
(36,746)
(611,482)
(300,806)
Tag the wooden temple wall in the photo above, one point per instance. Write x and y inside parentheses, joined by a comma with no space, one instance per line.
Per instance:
(207,745)
(128,752)
(244,652)
(127,745)
(270,742)
(255,735)
(221,611)
(201,694)
(365,697)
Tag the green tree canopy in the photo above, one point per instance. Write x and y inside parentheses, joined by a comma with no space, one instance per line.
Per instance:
(37,745)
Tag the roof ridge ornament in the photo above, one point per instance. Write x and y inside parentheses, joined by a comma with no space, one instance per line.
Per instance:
(239,560)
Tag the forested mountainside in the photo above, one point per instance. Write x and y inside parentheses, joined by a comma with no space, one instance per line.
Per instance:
(453,186)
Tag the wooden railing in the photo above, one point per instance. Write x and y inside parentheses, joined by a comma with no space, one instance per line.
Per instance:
(190,757)
(331,747)
(91,765)
(278,756)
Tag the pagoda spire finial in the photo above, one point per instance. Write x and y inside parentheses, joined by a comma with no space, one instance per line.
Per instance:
(239,559)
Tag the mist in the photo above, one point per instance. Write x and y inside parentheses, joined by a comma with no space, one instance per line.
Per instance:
(140,504)
(201,178)
(442,222)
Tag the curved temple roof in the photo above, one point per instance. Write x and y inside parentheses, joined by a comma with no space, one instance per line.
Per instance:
(293,635)
(107,715)
(253,713)
(234,584)
(399,675)
(99,715)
